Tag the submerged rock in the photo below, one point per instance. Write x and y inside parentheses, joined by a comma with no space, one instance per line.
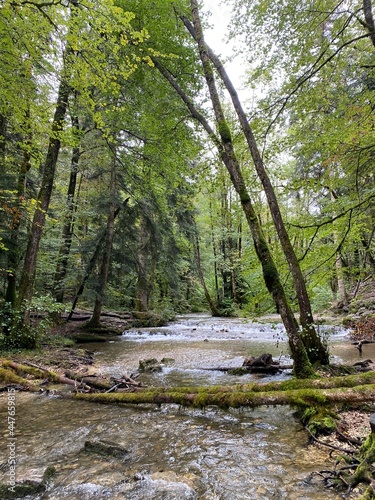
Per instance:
(107,448)
(150,365)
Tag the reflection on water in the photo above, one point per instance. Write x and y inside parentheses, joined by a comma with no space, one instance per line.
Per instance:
(174,453)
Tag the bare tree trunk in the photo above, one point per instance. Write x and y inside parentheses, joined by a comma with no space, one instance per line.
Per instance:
(215,256)
(314,346)
(13,252)
(370,25)
(92,262)
(213,308)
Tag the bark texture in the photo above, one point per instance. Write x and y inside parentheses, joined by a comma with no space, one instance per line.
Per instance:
(107,251)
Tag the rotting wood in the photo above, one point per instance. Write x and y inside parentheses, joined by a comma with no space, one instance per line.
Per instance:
(54,377)
(12,372)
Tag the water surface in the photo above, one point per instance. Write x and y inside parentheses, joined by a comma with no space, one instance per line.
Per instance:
(174,453)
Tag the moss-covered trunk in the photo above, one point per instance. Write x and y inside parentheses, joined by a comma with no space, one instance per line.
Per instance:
(315,348)
(302,365)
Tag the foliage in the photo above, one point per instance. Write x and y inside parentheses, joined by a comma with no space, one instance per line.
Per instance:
(311,66)
(14,334)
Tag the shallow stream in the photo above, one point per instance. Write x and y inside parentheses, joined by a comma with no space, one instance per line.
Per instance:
(174,453)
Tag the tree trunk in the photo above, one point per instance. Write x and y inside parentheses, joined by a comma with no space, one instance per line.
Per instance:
(270,273)
(314,346)
(342,295)
(92,263)
(302,364)
(213,308)
(215,256)
(68,227)
(107,251)
(3,131)
(44,196)
(141,301)
(370,25)
(13,252)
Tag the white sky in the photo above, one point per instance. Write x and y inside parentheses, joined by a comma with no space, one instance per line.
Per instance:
(215,38)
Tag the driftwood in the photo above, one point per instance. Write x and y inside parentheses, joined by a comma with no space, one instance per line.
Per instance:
(359,344)
(14,374)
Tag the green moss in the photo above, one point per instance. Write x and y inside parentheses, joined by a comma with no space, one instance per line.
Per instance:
(244,196)
(224,132)
(21,369)
(207,68)
(319,419)
(9,377)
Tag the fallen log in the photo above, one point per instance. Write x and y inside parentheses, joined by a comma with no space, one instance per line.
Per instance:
(15,372)
(237,399)
(54,377)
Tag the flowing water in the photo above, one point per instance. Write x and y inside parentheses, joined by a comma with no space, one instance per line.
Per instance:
(173,453)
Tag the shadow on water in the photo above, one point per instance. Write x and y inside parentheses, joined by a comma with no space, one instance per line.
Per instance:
(174,453)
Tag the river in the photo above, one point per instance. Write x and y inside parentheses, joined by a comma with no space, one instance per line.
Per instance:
(174,453)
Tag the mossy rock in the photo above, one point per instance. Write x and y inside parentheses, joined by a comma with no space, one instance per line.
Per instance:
(149,365)
(147,319)
(320,420)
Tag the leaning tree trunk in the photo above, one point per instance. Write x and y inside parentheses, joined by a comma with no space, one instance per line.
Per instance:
(272,280)
(270,272)
(107,251)
(68,227)
(314,346)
